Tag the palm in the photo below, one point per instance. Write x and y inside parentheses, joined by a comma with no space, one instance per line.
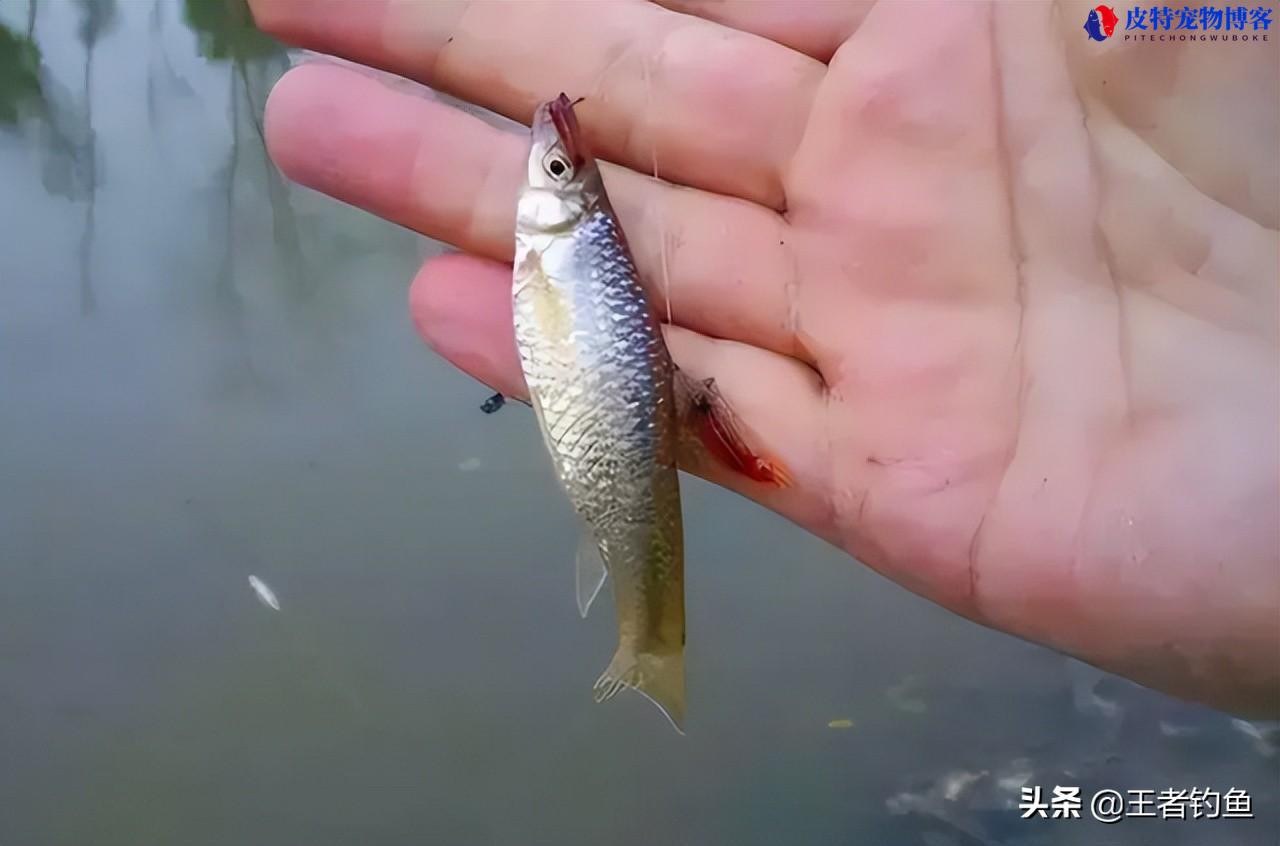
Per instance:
(891,265)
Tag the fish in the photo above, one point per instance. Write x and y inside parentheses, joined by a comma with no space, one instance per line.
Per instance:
(266,595)
(601,383)
(613,408)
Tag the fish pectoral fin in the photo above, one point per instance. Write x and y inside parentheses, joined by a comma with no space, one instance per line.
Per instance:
(659,677)
(591,569)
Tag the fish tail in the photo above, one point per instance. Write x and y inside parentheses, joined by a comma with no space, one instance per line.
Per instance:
(659,676)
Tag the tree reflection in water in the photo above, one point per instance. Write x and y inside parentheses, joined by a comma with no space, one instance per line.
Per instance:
(59,123)
(225,32)
(97,17)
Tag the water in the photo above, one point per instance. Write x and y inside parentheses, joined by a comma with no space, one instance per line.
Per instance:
(192,393)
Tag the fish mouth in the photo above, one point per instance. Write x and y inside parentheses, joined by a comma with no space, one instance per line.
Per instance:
(558,116)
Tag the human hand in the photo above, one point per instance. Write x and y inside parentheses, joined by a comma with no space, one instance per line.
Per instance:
(999,297)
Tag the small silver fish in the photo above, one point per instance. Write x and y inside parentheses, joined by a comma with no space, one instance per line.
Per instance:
(266,595)
(603,387)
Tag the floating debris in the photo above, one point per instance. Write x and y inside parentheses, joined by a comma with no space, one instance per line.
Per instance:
(900,696)
(1169,729)
(493,403)
(1090,702)
(1266,740)
(955,784)
(1085,684)
(840,724)
(467,465)
(1012,781)
(951,808)
(266,595)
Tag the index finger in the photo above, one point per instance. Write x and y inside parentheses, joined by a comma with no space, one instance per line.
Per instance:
(703,104)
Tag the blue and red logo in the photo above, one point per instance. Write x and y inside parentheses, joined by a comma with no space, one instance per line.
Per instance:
(1101,23)
(1165,23)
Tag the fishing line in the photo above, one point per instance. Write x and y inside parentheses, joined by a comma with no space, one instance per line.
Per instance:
(653,153)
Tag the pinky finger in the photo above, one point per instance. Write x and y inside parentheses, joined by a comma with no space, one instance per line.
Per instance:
(461,306)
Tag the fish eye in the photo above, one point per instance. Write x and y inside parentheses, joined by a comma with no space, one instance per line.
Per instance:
(557,167)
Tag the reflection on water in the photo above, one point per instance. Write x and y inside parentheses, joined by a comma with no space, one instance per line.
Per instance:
(96,18)
(19,74)
(206,375)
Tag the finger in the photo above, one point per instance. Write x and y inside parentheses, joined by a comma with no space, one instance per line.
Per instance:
(453,177)
(461,305)
(816,28)
(663,89)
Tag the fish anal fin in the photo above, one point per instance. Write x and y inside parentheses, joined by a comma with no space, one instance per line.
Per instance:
(591,570)
(658,676)
(706,412)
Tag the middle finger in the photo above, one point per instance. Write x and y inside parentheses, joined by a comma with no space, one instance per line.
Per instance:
(706,105)
(451,176)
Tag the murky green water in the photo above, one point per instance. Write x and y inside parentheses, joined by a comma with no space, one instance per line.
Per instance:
(206,374)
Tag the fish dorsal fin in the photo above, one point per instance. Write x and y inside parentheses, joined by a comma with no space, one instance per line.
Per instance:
(591,569)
